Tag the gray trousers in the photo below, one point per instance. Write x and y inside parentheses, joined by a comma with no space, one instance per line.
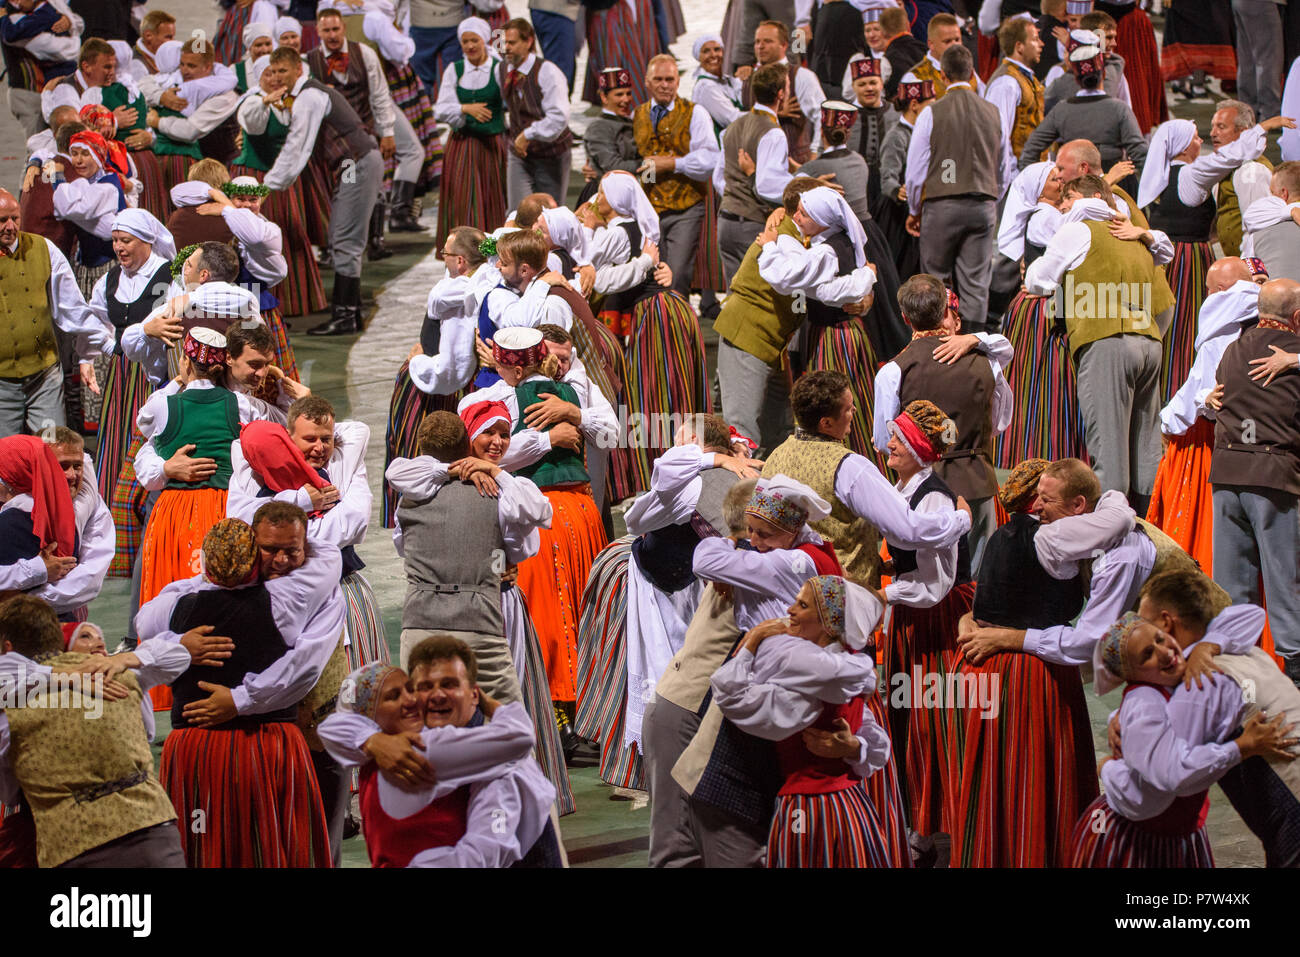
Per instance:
(755,12)
(33,403)
(679,241)
(684,832)
(983,523)
(156,846)
(755,396)
(531,174)
(957,236)
(734,239)
(335,783)
(1119,396)
(1259,55)
(354,200)
(1257,534)
(410,154)
(496,667)
(25,105)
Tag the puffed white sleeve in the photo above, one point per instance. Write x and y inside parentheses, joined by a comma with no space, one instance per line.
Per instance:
(521,510)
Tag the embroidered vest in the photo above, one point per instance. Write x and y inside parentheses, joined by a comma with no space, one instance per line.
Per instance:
(27,343)
(670,192)
(925,70)
(1228,222)
(1029,111)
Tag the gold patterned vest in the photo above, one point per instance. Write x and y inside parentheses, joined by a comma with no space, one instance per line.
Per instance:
(320,701)
(27,343)
(925,70)
(87,780)
(816,462)
(670,192)
(1029,111)
(1228,224)
(1170,557)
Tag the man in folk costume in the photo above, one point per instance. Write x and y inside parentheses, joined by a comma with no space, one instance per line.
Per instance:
(941,33)
(1115,343)
(954,168)
(1273,226)
(680,151)
(278,599)
(318,465)
(156,28)
(204,125)
(323,125)
(1255,469)
(195,219)
(800,112)
(610,142)
(901,48)
(1182,500)
(958,373)
(1243,184)
(537,118)
(41,295)
(1016,91)
(89,786)
(875,118)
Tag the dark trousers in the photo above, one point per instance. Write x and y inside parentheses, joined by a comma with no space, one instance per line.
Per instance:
(558,37)
(436,48)
(157,846)
(335,793)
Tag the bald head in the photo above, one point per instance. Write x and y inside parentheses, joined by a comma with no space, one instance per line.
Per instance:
(62,114)
(10,219)
(1280,299)
(1078,158)
(1224,272)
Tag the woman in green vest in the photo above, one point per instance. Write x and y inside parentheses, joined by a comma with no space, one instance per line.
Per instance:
(473,187)
(257,44)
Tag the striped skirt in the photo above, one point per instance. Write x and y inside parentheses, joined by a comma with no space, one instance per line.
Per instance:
(302,290)
(537,698)
(616,38)
(365,623)
(708,261)
(17,838)
(496,19)
(845,347)
(406,411)
(284,357)
(553,580)
(229,41)
(922,646)
(318,200)
(667,380)
(125,388)
(127,507)
(255,792)
(1186,272)
(887,797)
(1198,38)
(602,667)
(1046,422)
(1027,772)
(154,198)
(1182,505)
(838,829)
(175,169)
(1103,838)
(473,191)
(410,97)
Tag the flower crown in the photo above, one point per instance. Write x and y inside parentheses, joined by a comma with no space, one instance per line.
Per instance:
(245,189)
(178,263)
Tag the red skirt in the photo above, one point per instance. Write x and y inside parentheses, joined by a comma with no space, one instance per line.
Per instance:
(925,640)
(246,798)
(1025,774)
(838,829)
(155,198)
(1182,505)
(302,290)
(1135,41)
(1103,838)
(887,797)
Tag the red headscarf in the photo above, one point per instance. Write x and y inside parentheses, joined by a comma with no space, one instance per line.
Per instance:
(279,463)
(110,153)
(480,415)
(100,119)
(29,465)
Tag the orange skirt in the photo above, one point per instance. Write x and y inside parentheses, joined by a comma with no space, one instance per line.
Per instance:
(552,582)
(1182,505)
(173,546)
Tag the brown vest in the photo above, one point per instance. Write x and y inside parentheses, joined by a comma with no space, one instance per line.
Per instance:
(188,227)
(604,361)
(523,98)
(342,136)
(740,196)
(355,86)
(964,391)
(670,192)
(37,209)
(1257,432)
(965,146)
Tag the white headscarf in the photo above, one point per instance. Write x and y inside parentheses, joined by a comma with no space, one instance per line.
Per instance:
(862,613)
(477,26)
(122,50)
(1168,141)
(286,25)
(167,58)
(1022,201)
(190,193)
(255,31)
(567,233)
(699,44)
(144,225)
(827,208)
(625,196)
(1093,208)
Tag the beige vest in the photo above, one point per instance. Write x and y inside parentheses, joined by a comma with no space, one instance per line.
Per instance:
(712,633)
(1266,688)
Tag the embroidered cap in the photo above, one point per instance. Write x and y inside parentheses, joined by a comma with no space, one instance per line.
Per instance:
(838,115)
(828,592)
(518,346)
(359,692)
(953,302)
(205,346)
(905,429)
(1256,266)
(912,87)
(229,552)
(1109,661)
(614,78)
(1021,487)
(1078,8)
(864,66)
(785,503)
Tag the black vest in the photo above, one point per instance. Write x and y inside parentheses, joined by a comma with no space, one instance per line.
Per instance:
(1050,55)
(244,616)
(666,555)
(905,559)
(625,300)
(124,314)
(430,335)
(820,314)
(1182,223)
(1013,590)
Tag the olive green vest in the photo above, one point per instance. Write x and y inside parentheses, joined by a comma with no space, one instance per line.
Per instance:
(754,317)
(1116,290)
(27,344)
(323,698)
(1228,223)
(87,780)
(816,462)
(1170,557)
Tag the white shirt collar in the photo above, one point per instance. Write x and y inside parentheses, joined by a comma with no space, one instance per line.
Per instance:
(526,67)
(765,109)
(908,489)
(303,78)
(965,83)
(930,56)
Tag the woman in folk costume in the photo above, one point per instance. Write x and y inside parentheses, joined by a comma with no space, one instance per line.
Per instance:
(930,591)
(1047,421)
(28,466)
(720,96)
(92,202)
(832,273)
(239,14)
(890,211)
(251,776)
(551,581)
(126,295)
(263,134)
(666,372)
(1026,771)
(1182,505)
(620,34)
(473,190)
(801,681)
(258,42)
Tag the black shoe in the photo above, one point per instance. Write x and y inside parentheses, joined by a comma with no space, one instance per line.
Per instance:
(346,318)
(325,260)
(402,218)
(351,827)
(375,248)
